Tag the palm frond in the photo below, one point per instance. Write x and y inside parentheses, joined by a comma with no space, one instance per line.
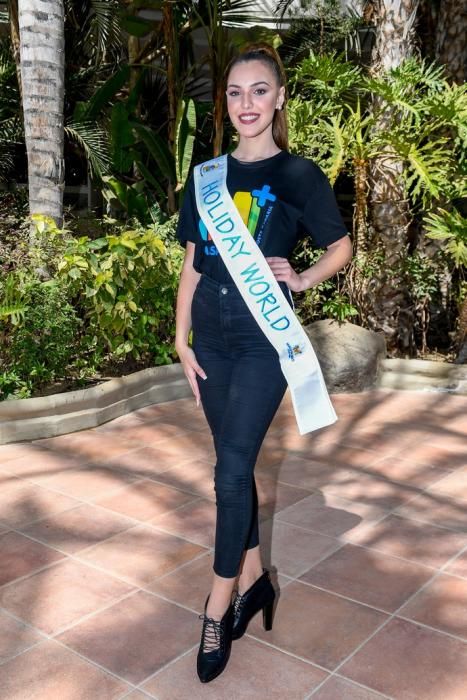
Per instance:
(93,141)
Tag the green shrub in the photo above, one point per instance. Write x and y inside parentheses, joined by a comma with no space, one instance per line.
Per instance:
(125,286)
(39,336)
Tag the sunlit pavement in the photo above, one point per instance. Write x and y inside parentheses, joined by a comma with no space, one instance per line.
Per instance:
(106,541)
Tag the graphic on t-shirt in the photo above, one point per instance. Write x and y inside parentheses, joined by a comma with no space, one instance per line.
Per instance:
(250,206)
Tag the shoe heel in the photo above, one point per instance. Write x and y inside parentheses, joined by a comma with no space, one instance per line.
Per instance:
(267,616)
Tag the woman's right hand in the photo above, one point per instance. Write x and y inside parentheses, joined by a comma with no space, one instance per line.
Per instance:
(191,369)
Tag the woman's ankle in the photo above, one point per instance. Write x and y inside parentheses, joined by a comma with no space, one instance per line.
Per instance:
(247,579)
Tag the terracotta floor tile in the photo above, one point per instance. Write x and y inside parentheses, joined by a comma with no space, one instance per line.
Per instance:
(293,550)
(330,515)
(337,454)
(14,451)
(145,500)
(356,485)
(141,554)
(153,432)
(195,521)
(437,509)
(193,443)
(78,528)
(60,595)
(340,689)
(273,496)
(404,471)
(89,446)
(254,672)
(20,556)
(15,637)
(190,417)
(375,579)
(22,503)
(442,604)
(51,672)
(409,539)
(384,442)
(196,476)
(87,481)
(9,481)
(324,489)
(299,472)
(136,636)
(434,455)
(454,485)
(188,585)
(148,461)
(459,566)
(388,663)
(304,617)
(449,439)
(40,464)
(268,456)
(283,420)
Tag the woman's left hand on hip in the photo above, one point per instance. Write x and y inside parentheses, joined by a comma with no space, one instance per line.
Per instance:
(284,272)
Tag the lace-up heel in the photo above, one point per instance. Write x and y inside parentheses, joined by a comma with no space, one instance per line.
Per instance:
(260,595)
(215,645)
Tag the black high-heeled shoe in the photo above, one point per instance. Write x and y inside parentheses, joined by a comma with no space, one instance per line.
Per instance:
(215,645)
(260,595)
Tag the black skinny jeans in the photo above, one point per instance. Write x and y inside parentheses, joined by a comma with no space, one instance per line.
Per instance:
(242,392)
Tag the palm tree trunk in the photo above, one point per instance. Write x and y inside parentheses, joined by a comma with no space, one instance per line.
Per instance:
(451,45)
(41,24)
(389,209)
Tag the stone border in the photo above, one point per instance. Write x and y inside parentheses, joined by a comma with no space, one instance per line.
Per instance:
(48,416)
(423,375)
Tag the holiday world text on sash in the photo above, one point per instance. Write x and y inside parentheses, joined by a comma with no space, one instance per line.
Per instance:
(255,282)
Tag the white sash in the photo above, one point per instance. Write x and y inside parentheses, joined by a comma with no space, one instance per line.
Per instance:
(263,296)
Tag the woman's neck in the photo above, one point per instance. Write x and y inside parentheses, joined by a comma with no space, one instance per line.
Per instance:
(256,148)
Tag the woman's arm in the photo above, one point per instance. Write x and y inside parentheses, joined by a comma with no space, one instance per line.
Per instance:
(337,255)
(188,280)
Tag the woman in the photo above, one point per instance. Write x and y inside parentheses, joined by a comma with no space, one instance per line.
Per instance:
(232,368)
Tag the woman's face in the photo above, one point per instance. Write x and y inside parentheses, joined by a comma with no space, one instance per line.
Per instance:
(253,95)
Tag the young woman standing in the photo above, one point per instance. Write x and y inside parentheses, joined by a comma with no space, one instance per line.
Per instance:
(232,367)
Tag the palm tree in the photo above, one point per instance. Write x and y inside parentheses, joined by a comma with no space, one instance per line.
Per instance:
(389,208)
(42,51)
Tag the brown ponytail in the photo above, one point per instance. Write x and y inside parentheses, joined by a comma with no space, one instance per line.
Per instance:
(269,56)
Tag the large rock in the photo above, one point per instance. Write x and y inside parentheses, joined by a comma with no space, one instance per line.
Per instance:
(349,356)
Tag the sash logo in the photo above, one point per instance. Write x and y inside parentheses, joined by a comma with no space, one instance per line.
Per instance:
(208,167)
(294,350)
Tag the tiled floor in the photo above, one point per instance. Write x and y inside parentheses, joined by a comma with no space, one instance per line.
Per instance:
(106,553)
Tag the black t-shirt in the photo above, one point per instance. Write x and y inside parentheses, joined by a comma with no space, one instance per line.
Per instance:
(281,199)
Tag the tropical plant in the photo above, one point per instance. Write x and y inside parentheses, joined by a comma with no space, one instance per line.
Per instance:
(126,285)
(450,227)
(11,130)
(333,119)
(322,26)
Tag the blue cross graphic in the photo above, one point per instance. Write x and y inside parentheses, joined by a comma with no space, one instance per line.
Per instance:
(264,195)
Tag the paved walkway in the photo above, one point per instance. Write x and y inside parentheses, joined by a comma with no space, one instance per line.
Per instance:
(106,543)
